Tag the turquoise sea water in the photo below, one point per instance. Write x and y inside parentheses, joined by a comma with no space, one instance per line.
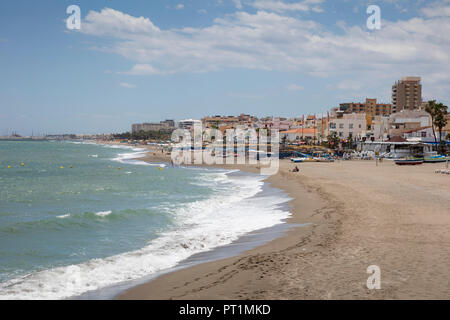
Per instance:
(66,231)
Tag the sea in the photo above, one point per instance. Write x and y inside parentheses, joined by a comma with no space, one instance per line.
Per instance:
(76,217)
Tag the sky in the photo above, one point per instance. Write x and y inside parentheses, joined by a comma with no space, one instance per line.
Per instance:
(143,61)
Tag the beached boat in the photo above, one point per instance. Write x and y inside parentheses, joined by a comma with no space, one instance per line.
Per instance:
(437,159)
(408,162)
(296,160)
(323,159)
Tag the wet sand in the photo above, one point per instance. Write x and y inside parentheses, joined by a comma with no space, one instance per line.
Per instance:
(359,214)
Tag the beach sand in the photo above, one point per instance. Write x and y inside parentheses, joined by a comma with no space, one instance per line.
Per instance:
(359,214)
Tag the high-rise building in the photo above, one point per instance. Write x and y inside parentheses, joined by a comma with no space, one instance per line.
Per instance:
(407,94)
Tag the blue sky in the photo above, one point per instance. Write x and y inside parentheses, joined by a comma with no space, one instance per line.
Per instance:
(136,61)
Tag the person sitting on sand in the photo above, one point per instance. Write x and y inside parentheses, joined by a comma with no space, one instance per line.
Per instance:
(296,169)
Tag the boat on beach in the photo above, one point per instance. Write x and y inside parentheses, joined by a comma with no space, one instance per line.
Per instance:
(436,159)
(409,162)
(323,159)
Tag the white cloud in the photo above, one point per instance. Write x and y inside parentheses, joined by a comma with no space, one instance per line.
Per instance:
(144,70)
(436,10)
(115,23)
(127,85)
(280,6)
(272,41)
(295,87)
(238,4)
(179,6)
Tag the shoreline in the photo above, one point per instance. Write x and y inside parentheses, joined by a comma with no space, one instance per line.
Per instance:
(300,218)
(243,243)
(360,214)
(247,241)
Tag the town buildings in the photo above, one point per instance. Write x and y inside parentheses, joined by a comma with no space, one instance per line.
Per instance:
(405,118)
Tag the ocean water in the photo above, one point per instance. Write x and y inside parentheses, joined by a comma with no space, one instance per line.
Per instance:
(72,222)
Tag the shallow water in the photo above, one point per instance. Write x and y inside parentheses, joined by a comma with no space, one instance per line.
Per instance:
(65,231)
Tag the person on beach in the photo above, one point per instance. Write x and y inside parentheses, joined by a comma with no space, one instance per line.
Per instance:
(296,169)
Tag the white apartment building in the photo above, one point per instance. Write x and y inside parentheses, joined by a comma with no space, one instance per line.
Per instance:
(411,116)
(353,125)
(379,128)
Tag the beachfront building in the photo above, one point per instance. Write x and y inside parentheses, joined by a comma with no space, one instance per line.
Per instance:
(423,134)
(300,134)
(446,129)
(407,121)
(349,125)
(407,94)
(377,128)
(397,147)
(152,126)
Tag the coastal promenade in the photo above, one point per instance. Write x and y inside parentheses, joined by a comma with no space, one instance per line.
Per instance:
(358,214)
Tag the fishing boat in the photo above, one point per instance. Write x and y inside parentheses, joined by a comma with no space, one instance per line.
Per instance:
(323,159)
(436,159)
(409,162)
(296,160)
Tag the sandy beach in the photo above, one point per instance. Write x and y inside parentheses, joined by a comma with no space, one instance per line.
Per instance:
(358,214)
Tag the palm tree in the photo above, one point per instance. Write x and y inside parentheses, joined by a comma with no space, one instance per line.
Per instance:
(440,121)
(431,109)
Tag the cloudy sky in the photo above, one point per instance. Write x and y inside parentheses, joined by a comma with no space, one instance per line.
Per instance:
(135,61)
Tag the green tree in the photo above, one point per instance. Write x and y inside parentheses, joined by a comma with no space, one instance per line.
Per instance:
(440,121)
(431,109)
(333,140)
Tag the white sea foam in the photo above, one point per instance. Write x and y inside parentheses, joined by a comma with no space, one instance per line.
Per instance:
(131,158)
(103,213)
(233,211)
(63,216)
